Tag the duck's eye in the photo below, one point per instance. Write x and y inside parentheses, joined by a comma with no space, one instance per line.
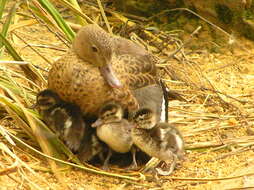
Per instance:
(95,49)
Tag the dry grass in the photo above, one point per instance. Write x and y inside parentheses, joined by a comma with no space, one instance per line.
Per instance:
(216,119)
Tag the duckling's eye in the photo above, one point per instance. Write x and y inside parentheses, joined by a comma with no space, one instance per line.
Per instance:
(107,114)
(95,49)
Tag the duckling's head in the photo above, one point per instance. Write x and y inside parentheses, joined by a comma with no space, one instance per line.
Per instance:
(109,113)
(94,45)
(46,99)
(145,118)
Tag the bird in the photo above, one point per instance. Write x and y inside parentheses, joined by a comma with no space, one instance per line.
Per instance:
(157,139)
(151,97)
(115,131)
(64,118)
(101,67)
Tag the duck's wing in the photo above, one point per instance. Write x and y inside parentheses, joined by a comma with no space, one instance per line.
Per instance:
(134,71)
(138,68)
(139,65)
(150,97)
(124,46)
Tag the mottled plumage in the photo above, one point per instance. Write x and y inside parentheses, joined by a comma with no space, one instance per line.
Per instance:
(64,118)
(160,140)
(102,68)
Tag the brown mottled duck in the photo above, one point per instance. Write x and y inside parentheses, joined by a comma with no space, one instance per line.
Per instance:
(100,68)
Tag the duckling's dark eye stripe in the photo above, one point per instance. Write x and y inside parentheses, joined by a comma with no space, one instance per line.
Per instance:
(45,103)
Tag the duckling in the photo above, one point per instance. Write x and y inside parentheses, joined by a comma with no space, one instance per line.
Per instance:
(65,118)
(115,131)
(160,140)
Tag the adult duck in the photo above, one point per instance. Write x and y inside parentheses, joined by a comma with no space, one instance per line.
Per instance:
(100,68)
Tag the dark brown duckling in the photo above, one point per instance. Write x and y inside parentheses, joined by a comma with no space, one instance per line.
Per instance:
(115,131)
(160,140)
(64,118)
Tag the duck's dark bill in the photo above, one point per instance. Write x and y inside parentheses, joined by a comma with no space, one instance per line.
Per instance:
(109,75)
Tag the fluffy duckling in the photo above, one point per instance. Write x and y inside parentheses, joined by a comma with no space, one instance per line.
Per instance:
(65,118)
(115,131)
(160,140)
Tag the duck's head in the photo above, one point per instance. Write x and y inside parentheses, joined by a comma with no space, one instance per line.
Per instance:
(94,45)
(46,99)
(144,118)
(109,113)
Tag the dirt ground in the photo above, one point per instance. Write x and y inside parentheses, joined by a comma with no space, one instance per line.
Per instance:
(217,127)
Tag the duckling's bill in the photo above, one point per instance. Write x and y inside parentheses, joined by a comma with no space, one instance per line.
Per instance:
(97,123)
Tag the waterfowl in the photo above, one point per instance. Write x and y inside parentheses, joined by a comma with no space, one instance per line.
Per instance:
(151,97)
(160,140)
(100,68)
(64,118)
(115,131)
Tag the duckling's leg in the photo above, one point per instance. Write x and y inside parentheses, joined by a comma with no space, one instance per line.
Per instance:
(134,164)
(105,164)
(171,168)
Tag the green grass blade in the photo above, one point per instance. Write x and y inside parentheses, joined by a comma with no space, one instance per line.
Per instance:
(8,21)
(10,49)
(7,24)
(39,13)
(58,18)
(2,6)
